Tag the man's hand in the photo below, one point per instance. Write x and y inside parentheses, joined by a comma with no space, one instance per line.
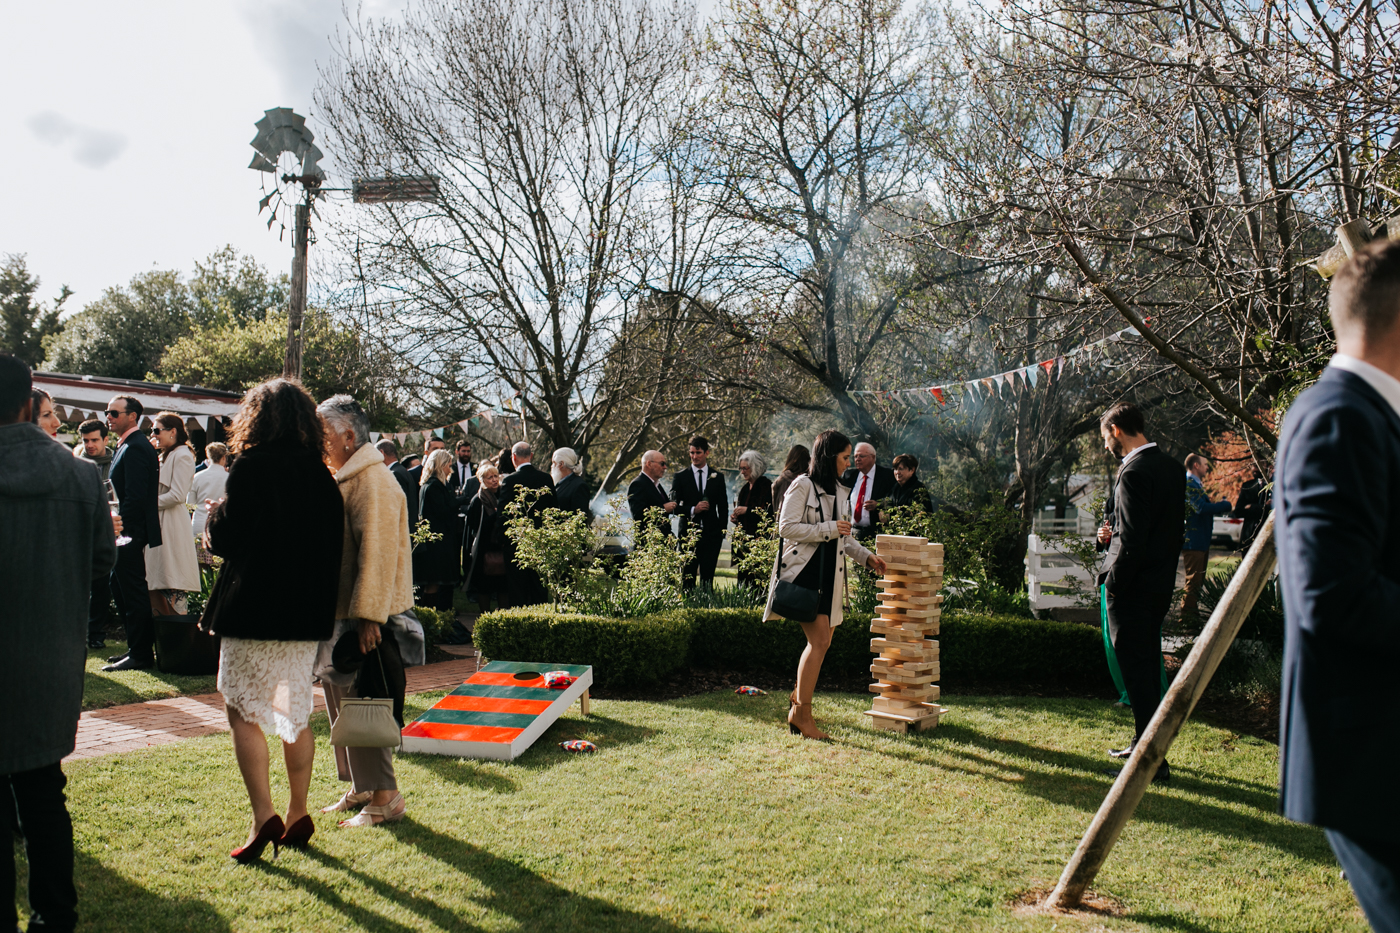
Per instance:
(702,506)
(369,636)
(116,523)
(843,527)
(669,506)
(1105,534)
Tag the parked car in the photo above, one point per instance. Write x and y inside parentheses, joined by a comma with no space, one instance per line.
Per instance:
(1226,531)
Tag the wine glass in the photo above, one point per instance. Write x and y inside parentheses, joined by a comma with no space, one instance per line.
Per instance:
(115,505)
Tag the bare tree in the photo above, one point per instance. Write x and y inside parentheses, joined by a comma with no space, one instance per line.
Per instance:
(543,119)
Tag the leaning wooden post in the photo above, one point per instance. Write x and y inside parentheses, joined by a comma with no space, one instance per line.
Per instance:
(1123,798)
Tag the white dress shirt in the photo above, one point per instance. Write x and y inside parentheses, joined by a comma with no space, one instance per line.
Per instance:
(207,484)
(1383,382)
(869,480)
(1134,452)
(699,473)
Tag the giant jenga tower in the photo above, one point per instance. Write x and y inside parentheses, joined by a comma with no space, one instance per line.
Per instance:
(907,666)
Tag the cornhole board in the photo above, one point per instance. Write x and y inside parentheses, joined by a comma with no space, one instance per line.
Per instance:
(498,712)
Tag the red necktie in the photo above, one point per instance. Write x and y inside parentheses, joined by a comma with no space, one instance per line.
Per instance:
(860,497)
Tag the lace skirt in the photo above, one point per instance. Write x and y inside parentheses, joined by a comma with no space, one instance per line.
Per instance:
(269,682)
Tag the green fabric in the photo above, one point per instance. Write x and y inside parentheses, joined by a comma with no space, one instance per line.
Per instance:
(1113,657)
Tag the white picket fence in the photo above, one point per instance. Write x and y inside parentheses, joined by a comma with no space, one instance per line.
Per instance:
(1049,566)
(1045,523)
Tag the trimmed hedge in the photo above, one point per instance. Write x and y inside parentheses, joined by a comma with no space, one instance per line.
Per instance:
(974,648)
(623,652)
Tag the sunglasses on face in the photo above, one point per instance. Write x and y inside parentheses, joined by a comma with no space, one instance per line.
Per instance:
(112,412)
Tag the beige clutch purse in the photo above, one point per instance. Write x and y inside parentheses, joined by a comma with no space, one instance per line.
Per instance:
(366,724)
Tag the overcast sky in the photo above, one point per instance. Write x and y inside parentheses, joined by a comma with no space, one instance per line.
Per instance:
(127,129)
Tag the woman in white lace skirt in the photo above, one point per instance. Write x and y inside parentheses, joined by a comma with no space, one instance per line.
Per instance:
(279,531)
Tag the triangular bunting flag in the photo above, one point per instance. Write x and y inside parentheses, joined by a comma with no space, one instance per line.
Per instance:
(486,413)
(426,434)
(374,437)
(937,393)
(438,432)
(465,424)
(1030,373)
(1061,370)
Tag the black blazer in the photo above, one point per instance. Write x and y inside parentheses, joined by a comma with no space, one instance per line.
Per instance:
(758,499)
(882,485)
(1149,516)
(526,477)
(687,496)
(571,495)
(410,491)
(643,494)
(1338,534)
(135,474)
(463,493)
(438,561)
(911,493)
(280,532)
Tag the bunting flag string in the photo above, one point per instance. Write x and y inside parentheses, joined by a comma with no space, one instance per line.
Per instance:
(984,388)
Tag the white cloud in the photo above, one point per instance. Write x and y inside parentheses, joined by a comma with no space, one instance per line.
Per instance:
(90,146)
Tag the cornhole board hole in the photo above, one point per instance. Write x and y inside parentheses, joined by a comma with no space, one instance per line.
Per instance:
(498,712)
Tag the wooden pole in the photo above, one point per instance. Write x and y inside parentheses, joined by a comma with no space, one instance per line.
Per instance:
(1123,798)
(296,310)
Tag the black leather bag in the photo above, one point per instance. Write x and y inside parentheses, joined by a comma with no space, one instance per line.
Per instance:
(794,602)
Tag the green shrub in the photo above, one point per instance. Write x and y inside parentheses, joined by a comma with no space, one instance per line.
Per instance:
(1009,649)
(623,652)
(435,622)
(738,596)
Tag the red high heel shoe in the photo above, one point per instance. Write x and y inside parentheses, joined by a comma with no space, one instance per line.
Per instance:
(298,835)
(271,831)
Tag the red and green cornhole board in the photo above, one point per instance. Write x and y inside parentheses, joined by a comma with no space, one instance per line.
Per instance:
(498,712)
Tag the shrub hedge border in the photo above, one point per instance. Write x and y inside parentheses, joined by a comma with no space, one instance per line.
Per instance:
(974,648)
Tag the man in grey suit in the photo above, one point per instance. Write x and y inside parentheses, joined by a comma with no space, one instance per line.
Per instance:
(1337,492)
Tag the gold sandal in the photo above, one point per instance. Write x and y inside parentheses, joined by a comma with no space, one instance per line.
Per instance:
(391,812)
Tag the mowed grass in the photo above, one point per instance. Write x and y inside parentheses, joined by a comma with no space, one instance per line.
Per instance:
(704,814)
(101,690)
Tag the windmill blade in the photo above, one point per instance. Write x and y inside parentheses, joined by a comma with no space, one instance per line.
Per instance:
(265,201)
(262,163)
(310,164)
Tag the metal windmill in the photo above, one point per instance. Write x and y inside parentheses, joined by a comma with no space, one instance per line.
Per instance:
(282,131)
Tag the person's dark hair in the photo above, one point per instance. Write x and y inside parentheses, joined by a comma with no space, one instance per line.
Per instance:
(90,425)
(700,442)
(1365,293)
(799,460)
(463,443)
(386,446)
(35,394)
(1193,459)
(132,405)
(824,453)
(278,410)
(411,461)
(168,419)
(504,463)
(16,379)
(908,462)
(1126,416)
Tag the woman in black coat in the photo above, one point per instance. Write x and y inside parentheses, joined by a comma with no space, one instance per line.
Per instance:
(486,536)
(435,563)
(280,529)
(907,488)
(753,501)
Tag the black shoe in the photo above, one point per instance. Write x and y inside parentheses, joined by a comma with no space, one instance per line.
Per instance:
(1123,752)
(1163,775)
(129,663)
(95,642)
(117,657)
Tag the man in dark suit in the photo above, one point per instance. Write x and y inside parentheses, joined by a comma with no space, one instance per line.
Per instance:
(1139,574)
(702,497)
(645,492)
(134,474)
(570,489)
(410,491)
(415,473)
(868,482)
(463,472)
(524,584)
(1338,534)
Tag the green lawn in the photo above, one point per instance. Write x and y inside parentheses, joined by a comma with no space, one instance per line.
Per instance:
(102,690)
(704,814)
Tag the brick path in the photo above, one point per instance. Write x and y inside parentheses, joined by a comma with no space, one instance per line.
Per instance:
(159,722)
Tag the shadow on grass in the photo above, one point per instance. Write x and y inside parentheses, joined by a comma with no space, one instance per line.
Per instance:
(462,772)
(522,894)
(603,731)
(102,690)
(126,905)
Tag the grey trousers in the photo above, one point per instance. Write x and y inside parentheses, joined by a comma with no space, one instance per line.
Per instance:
(365,768)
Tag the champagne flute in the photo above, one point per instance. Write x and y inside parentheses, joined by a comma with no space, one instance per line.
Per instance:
(114,504)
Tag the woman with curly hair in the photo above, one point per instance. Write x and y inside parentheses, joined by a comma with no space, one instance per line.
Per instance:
(172,568)
(279,531)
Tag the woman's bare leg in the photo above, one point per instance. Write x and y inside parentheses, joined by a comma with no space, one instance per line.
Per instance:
(809,668)
(299,756)
(250,749)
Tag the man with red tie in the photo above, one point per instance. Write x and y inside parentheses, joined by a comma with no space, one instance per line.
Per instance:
(868,483)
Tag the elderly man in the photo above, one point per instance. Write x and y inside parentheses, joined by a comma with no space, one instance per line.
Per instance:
(646,492)
(135,475)
(58,540)
(390,454)
(570,489)
(523,584)
(868,482)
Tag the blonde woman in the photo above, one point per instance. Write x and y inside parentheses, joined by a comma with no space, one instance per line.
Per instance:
(436,563)
(376,582)
(172,569)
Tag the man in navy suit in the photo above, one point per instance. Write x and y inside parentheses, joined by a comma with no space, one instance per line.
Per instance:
(135,474)
(1139,574)
(645,492)
(703,498)
(1337,492)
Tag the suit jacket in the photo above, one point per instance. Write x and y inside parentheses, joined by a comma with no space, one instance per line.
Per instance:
(757,498)
(1200,518)
(571,495)
(1338,534)
(135,474)
(1149,508)
(642,494)
(882,485)
(409,487)
(463,493)
(715,520)
(524,585)
(526,477)
(912,493)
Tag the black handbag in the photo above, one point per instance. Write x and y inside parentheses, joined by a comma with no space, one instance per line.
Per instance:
(790,600)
